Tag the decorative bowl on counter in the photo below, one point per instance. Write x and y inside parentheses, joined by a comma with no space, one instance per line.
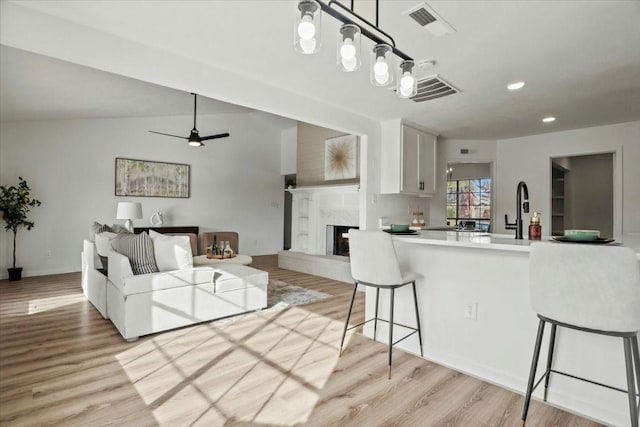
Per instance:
(582,235)
(399,227)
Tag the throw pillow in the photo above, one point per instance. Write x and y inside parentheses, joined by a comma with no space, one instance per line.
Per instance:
(172,252)
(117,228)
(139,249)
(103,246)
(97,228)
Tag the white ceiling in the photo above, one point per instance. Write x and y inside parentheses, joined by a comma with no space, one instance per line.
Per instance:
(580,61)
(36,87)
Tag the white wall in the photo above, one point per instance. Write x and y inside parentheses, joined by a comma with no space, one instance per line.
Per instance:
(528,159)
(236,183)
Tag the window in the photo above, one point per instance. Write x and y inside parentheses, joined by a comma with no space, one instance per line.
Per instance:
(469,200)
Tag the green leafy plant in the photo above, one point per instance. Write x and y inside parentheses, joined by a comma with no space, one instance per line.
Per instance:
(15,204)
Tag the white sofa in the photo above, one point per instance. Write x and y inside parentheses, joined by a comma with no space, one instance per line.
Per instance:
(147,303)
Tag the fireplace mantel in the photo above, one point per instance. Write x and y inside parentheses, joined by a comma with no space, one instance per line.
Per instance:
(337,189)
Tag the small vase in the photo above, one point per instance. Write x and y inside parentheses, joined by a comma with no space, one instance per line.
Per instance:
(15,274)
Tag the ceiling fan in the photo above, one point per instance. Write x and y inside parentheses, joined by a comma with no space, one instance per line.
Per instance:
(194,138)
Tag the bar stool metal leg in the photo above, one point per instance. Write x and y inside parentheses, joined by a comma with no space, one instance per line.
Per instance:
(346,322)
(375,318)
(552,344)
(628,358)
(532,372)
(415,303)
(391,329)
(636,359)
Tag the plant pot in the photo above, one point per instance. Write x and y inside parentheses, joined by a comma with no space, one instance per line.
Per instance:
(15,274)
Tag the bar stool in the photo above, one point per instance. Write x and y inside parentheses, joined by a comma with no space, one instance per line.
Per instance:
(588,288)
(374,263)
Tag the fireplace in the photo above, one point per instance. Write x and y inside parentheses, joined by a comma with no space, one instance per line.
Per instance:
(337,240)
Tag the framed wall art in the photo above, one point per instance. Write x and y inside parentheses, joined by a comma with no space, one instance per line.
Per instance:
(145,178)
(340,157)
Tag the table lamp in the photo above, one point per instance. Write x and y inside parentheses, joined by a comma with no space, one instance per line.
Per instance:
(129,211)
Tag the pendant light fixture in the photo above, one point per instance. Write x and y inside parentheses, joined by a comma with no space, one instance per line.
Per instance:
(382,68)
(382,65)
(349,48)
(407,86)
(308,27)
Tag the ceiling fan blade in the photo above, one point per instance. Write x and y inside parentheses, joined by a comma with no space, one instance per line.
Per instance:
(220,135)
(168,134)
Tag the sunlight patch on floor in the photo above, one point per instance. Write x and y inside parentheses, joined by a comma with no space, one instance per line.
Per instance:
(51,303)
(258,369)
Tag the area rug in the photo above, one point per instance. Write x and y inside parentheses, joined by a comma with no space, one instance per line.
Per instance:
(281,294)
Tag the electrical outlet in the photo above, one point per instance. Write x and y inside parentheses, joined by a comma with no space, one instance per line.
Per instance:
(49,254)
(471,311)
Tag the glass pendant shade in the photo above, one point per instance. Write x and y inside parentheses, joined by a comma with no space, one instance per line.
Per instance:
(382,65)
(306,32)
(348,51)
(407,85)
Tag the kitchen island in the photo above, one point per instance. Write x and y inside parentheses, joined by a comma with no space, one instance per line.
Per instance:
(476,318)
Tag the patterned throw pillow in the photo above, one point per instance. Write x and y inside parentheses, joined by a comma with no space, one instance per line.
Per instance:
(97,228)
(117,228)
(139,249)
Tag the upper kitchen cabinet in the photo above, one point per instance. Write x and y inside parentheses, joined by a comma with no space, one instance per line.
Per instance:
(408,159)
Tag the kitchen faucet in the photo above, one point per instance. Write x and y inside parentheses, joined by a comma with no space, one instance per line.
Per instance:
(520,207)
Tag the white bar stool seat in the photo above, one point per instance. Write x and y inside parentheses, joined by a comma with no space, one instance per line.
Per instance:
(374,263)
(595,289)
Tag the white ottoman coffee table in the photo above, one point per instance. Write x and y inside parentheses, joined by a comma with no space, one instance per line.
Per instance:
(202,260)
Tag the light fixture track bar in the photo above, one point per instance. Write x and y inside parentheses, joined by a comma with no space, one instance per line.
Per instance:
(327,8)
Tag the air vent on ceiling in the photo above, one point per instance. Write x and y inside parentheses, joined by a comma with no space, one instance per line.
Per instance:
(422,17)
(433,87)
(427,18)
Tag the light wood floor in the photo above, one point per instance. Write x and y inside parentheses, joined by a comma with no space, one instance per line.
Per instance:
(62,364)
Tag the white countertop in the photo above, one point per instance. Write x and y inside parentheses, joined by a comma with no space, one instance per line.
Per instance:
(504,242)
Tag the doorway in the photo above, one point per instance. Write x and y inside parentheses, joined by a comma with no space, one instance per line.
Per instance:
(582,193)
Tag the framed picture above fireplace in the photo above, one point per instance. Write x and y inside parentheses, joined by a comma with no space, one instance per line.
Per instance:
(340,157)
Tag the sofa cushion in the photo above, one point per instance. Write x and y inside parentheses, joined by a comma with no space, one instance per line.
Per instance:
(97,228)
(230,277)
(171,252)
(139,249)
(224,279)
(103,246)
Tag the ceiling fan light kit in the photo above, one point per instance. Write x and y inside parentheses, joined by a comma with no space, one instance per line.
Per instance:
(382,70)
(194,139)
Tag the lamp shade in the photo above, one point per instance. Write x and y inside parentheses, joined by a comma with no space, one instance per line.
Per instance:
(129,211)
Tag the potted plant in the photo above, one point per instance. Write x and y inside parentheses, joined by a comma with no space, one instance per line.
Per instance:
(15,204)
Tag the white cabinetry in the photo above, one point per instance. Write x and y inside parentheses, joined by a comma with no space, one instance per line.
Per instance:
(408,159)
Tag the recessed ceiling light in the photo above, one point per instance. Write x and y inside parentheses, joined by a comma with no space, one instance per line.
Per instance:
(515,86)
(549,119)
